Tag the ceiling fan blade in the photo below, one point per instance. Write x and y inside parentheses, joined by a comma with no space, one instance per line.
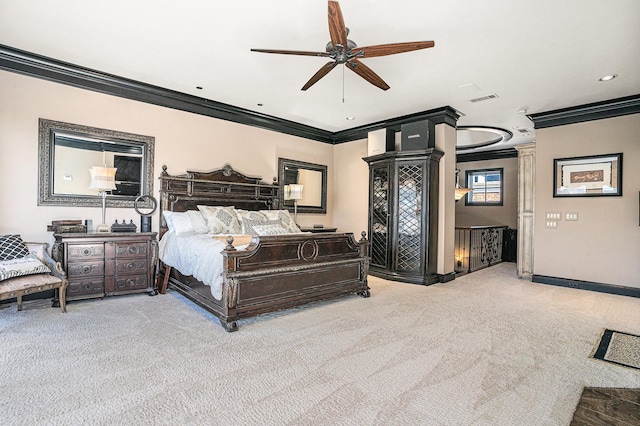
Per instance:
(321,73)
(337,29)
(292,52)
(392,48)
(367,73)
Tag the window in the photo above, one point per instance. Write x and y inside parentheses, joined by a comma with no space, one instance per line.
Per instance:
(486,187)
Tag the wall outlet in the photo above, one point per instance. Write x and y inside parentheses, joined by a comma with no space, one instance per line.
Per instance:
(553,216)
(551,224)
(571,216)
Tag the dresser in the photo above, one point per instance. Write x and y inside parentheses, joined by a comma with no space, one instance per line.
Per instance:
(107,264)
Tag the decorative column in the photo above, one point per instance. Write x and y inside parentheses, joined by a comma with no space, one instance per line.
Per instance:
(526,207)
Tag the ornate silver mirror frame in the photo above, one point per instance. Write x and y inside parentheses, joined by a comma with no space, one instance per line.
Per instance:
(95,138)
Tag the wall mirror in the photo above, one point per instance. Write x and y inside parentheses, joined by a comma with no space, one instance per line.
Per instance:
(312,177)
(67,151)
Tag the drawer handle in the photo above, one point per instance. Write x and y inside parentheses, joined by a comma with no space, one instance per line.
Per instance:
(86,269)
(131,282)
(86,252)
(131,266)
(132,250)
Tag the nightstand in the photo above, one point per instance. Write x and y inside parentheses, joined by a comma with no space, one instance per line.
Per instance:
(107,264)
(317,230)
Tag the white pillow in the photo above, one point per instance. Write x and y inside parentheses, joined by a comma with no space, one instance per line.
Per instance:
(178,222)
(283,216)
(27,265)
(220,220)
(269,229)
(197,221)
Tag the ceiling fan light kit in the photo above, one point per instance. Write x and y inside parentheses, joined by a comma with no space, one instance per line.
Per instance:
(343,51)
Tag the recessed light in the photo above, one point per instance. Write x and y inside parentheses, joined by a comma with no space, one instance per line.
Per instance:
(608,77)
(351,118)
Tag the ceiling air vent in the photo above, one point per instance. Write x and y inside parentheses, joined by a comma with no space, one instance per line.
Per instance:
(524,131)
(484,98)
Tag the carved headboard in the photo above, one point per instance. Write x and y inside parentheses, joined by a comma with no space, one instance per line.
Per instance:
(222,187)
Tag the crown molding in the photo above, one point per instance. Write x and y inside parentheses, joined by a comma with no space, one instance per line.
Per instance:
(594,111)
(37,66)
(32,65)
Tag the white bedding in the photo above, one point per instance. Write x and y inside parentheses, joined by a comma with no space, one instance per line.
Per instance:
(198,255)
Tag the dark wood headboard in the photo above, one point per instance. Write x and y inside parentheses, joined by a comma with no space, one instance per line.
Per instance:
(222,187)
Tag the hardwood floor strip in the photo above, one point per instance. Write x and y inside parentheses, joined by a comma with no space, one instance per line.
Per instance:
(610,406)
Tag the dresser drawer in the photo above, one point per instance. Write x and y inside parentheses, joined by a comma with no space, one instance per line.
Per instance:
(85,287)
(131,266)
(133,249)
(84,251)
(131,282)
(85,269)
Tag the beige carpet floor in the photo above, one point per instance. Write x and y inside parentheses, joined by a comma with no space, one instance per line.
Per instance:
(484,349)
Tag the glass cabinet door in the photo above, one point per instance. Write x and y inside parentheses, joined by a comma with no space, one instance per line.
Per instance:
(409,252)
(379,215)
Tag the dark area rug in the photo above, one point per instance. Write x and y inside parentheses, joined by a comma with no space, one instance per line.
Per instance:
(618,348)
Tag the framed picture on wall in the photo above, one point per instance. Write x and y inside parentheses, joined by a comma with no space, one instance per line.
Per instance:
(592,176)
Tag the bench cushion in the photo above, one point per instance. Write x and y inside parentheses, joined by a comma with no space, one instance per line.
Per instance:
(28,265)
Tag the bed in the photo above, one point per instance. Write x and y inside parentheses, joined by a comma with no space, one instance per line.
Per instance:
(257,274)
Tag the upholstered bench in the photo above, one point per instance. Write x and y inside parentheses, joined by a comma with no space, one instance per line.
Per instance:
(49,277)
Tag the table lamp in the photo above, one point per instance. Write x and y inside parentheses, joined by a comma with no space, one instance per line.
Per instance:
(103,180)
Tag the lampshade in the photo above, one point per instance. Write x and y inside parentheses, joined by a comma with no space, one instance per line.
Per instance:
(295,192)
(102,178)
(461,192)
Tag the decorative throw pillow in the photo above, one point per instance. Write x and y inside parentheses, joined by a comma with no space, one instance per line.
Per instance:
(270,229)
(198,222)
(249,214)
(249,226)
(27,265)
(12,247)
(220,220)
(283,216)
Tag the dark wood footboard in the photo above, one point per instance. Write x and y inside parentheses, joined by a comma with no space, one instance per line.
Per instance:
(281,272)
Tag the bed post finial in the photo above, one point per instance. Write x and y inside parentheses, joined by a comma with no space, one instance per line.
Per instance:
(364,237)
(230,246)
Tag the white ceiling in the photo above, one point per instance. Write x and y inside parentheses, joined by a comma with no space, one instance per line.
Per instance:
(535,55)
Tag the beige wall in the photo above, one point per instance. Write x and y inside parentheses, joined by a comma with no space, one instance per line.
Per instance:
(351,180)
(182,141)
(603,246)
(507,214)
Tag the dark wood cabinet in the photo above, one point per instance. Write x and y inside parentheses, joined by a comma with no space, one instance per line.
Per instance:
(107,264)
(403,215)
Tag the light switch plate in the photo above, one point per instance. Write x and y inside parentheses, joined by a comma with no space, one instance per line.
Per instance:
(571,216)
(553,216)
(551,224)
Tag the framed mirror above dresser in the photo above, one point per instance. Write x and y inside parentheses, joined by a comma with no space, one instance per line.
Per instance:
(67,151)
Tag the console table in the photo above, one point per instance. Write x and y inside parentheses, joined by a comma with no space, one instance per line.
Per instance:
(107,264)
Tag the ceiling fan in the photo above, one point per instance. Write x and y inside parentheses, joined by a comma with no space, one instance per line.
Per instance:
(344,51)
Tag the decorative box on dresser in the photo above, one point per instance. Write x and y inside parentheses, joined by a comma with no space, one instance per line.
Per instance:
(107,264)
